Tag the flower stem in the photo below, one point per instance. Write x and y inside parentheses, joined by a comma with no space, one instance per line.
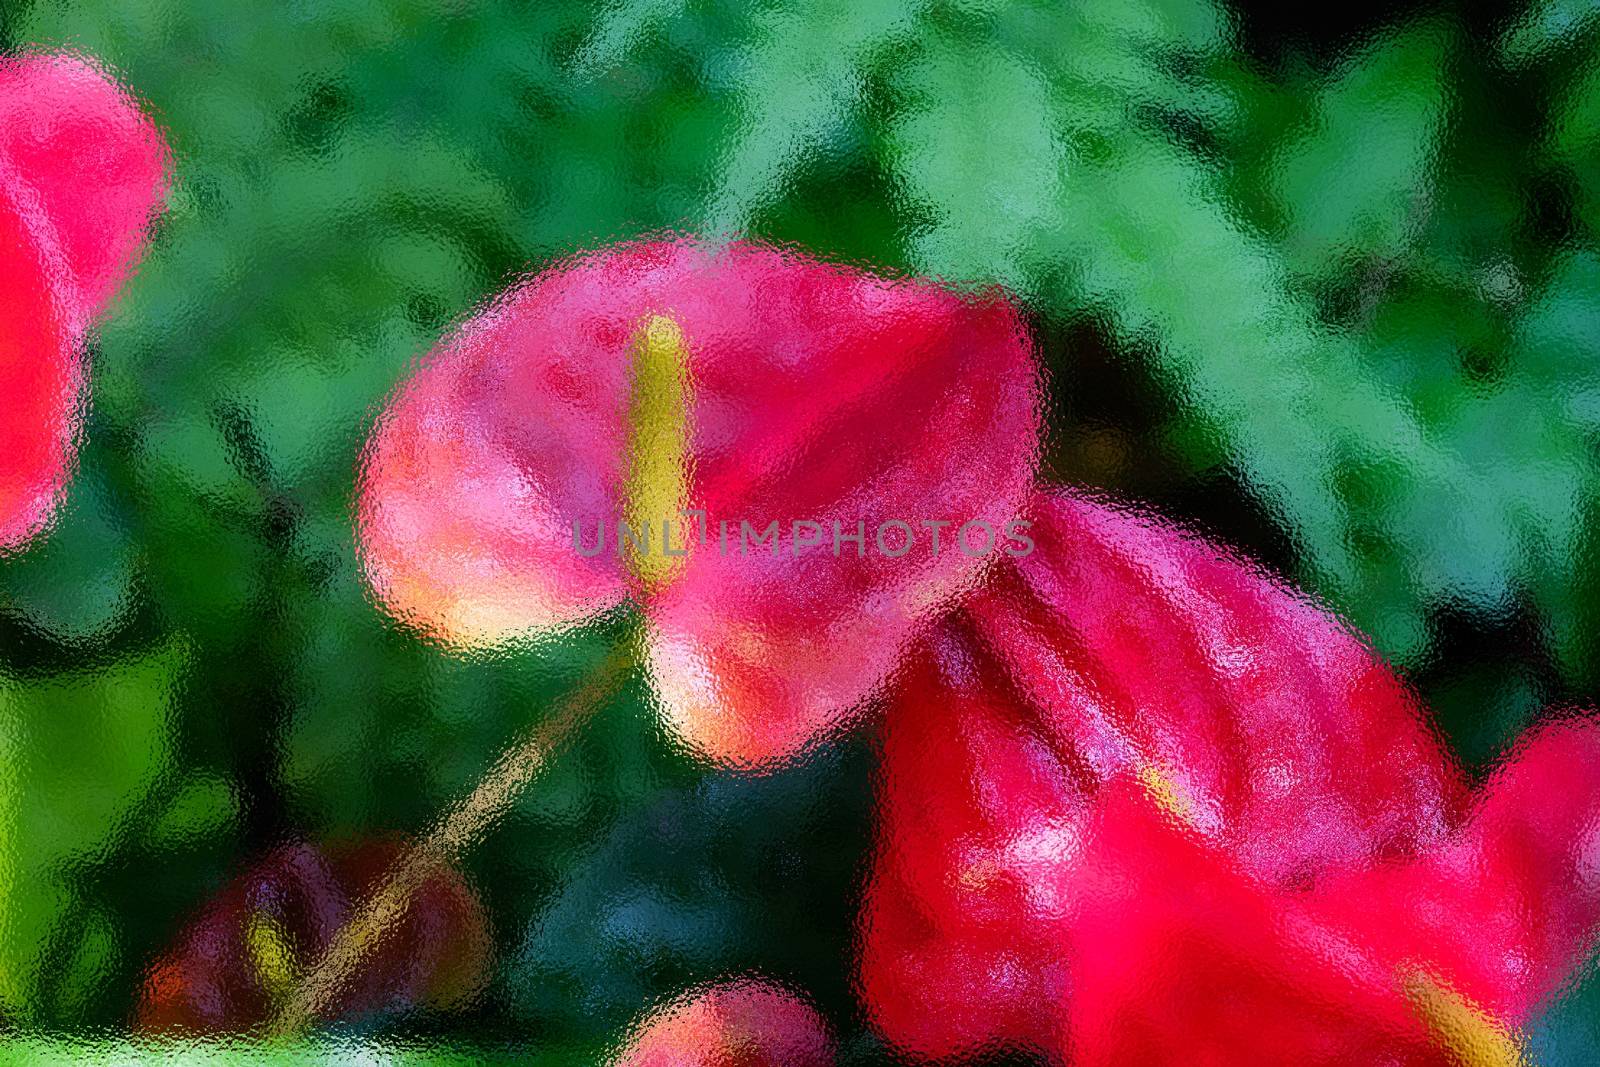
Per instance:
(455,833)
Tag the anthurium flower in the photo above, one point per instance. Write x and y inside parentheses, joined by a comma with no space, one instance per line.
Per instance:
(745,1022)
(800,445)
(1142,804)
(1178,956)
(240,958)
(82,171)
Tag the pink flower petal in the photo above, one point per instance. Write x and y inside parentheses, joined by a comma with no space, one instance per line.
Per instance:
(39,383)
(1178,957)
(1120,649)
(75,145)
(81,171)
(817,393)
(741,1023)
(1505,912)
(980,825)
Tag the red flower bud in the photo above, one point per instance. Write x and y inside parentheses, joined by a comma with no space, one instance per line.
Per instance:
(234,965)
(742,1023)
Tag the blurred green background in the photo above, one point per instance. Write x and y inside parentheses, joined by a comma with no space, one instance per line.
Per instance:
(1327,285)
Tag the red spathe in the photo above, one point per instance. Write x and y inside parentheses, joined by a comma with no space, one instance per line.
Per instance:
(1142,804)
(816,392)
(82,171)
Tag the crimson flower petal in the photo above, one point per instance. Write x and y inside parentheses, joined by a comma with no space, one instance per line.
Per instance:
(78,151)
(740,1023)
(39,383)
(1179,957)
(1505,912)
(81,172)
(1148,649)
(754,384)
(1140,803)
(1015,905)
(980,819)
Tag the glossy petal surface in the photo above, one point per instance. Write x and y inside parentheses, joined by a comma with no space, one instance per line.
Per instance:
(82,170)
(82,152)
(818,394)
(1179,957)
(1148,650)
(1180,861)
(980,820)
(1505,911)
(39,380)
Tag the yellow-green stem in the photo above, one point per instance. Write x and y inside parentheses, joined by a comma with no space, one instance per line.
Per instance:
(452,837)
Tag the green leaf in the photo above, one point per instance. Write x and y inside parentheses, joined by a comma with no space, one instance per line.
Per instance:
(81,752)
(799,79)
(1575,141)
(1405,486)
(76,583)
(48,1051)
(1546,26)
(976,151)
(201,807)
(618,30)
(1356,184)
